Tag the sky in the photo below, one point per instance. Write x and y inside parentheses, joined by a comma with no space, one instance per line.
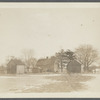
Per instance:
(46,30)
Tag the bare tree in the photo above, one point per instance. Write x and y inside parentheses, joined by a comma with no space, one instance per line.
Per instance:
(27,54)
(86,55)
(28,57)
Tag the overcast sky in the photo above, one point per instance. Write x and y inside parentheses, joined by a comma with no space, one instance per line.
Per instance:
(46,30)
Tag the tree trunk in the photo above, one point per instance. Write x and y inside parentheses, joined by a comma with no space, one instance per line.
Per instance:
(86,68)
(61,66)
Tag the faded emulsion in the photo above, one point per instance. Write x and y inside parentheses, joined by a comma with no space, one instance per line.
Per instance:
(49,50)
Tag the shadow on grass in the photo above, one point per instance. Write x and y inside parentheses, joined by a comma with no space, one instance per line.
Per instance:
(71,77)
(63,83)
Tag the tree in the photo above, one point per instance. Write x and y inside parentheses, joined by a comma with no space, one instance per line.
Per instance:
(28,57)
(86,55)
(70,54)
(27,54)
(59,56)
(64,57)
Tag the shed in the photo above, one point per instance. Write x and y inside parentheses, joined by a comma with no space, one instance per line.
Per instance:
(74,67)
(15,66)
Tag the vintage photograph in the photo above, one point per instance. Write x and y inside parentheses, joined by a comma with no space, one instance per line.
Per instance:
(49,50)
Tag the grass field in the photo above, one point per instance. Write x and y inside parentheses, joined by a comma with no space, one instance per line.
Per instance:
(43,83)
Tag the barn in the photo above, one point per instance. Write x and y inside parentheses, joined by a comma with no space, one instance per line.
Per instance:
(74,67)
(15,66)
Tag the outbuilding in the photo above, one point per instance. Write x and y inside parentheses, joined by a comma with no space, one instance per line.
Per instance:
(74,67)
(15,66)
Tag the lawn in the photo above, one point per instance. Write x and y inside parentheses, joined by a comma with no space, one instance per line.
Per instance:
(62,83)
(38,83)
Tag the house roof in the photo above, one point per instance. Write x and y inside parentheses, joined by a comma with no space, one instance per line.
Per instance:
(47,61)
(16,61)
(73,62)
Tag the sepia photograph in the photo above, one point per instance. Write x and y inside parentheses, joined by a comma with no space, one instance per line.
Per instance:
(49,50)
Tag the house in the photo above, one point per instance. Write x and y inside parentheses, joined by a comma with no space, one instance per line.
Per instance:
(28,69)
(52,64)
(47,64)
(74,67)
(97,70)
(62,66)
(15,66)
(94,69)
